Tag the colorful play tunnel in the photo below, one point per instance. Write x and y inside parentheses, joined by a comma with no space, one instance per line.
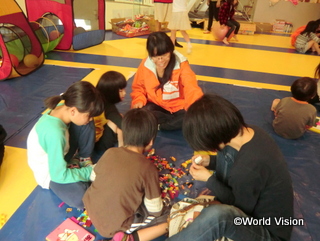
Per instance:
(66,13)
(48,30)
(21,52)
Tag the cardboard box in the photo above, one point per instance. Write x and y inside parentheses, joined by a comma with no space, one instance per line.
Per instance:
(247,28)
(279,25)
(133,34)
(280,21)
(263,27)
(118,25)
(114,25)
(155,26)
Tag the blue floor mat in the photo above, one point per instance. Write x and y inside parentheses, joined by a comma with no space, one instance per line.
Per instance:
(40,213)
(21,99)
(245,75)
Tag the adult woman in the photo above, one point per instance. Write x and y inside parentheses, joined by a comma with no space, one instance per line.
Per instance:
(164,83)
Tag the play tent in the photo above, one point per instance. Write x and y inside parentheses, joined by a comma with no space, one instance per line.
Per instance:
(76,37)
(21,52)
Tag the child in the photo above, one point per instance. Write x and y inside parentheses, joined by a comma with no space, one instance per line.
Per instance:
(226,17)
(164,83)
(293,115)
(112,86)
(3,135)
(250,179)
(124,201)
(180,21)
(308,39)
(316,99)
(48,143)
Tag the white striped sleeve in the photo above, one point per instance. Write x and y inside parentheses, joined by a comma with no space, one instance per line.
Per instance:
(153,205)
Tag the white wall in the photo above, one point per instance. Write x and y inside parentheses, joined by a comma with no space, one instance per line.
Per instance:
(298,15)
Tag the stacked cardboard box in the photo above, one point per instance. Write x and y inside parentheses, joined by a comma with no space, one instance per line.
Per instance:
(247,28)
(264,27)
(130,28)
(281,26)
(278,25)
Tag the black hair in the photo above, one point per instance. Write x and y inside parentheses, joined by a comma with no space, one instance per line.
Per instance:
(159,43)
(82,95)
(109,85)
(317,72)
(311,27)
(139,127)
(304,89)
(211,121)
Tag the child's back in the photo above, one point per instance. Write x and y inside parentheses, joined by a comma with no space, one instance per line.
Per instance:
(292,117)
(125,196)
(123,179)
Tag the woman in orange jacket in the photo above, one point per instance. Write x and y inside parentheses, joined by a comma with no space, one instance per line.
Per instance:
(164,83)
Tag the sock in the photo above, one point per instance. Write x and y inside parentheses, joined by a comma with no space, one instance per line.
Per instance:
(85,161)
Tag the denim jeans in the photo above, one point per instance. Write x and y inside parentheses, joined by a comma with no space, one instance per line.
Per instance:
(217,221)
(70,193)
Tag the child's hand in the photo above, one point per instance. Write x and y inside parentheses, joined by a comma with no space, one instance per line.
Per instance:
(199,173)
(202,160)
(275,102)
(138,105)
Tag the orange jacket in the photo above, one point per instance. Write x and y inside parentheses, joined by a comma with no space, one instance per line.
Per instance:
(179,93)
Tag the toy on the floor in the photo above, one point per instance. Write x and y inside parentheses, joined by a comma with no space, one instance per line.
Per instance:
(21,52)
(316,127)
(220,32)
(173,180)
(68,13)
(3,220)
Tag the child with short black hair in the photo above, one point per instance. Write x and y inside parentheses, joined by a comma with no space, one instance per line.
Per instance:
(293,115)
(124,201)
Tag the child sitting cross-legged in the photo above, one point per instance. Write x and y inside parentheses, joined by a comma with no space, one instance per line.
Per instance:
(124,201)
(293,115)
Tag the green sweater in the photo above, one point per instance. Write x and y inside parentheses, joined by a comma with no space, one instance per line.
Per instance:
(47,144)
